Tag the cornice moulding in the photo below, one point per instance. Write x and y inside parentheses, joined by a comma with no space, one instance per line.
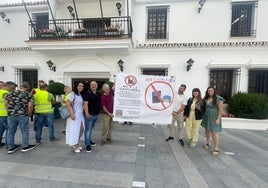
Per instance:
(204,44)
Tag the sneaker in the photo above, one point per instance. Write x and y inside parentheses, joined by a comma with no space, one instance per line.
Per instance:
(54,139)
(80,147)
(170,138)
(181,142)
(189,141)
(76,150)
(2,144)
(92,143)
(28,148)
(192,145)
(88,149)
(109,140)
(12,150)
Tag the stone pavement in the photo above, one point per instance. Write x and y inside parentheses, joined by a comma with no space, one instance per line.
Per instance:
(139,157)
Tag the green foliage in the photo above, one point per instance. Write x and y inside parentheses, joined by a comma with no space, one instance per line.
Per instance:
(56,88)
(251,106)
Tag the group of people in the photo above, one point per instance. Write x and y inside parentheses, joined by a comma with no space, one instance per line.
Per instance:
(197,111)
(84,108)
(16,106)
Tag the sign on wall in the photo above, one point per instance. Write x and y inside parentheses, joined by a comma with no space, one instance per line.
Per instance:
(143,98)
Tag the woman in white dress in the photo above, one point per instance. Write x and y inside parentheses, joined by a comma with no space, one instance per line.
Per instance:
(75,123)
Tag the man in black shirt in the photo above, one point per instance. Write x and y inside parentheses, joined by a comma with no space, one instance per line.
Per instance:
(92,110)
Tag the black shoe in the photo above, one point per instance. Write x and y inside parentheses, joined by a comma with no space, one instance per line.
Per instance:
(54,140)
(28,148)
(38,141)
(2,144)
(170,138)
(181,142)
(92,143)
(109,140)
(12,150)
(88,149)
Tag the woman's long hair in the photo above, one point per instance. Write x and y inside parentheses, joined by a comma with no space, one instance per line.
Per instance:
(75,88)
(214,102)
(200,100)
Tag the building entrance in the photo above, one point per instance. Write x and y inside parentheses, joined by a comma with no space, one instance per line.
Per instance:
(86,82)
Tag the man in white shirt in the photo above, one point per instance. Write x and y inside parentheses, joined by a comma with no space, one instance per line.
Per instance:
(179,104)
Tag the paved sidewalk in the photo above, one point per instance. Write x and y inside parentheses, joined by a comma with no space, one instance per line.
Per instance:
(139,157)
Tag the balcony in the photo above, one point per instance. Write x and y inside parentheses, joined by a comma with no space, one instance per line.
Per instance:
(96,34)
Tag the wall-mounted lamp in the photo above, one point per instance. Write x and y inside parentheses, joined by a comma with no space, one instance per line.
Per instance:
(2,69)
(71,9)
(120,64)
(4,17)
(190,63)
(201,4)
(118,6)
(50,65)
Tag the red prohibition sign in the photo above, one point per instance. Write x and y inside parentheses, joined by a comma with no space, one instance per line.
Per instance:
(164,107)
(130,80)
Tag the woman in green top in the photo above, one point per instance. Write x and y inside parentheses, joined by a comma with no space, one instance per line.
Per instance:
(212,118)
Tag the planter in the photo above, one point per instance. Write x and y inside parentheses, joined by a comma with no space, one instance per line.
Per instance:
(48,35)
(240,123)
(111,32)
(81,34)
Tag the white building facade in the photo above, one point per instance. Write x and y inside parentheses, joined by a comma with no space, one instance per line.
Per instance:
(226,40)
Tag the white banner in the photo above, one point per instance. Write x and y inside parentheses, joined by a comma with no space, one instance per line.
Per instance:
(143,98)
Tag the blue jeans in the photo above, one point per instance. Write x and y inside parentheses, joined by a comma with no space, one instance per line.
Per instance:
(41,120)
(13,122)
(3,128)
(89,125)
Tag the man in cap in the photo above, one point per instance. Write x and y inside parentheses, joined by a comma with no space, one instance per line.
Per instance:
(19,104)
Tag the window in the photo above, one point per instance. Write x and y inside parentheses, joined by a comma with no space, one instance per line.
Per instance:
(157,22)
(222,80)
(258,81)
(154,71)
(27,75)
(41,21)
(243,16)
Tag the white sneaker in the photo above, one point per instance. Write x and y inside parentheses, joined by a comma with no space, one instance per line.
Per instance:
(76,150)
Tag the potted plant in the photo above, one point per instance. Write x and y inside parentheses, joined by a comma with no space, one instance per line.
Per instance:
(81,32)
(47,33)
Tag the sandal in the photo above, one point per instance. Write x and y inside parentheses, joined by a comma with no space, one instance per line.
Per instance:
(215,152)
(206,146)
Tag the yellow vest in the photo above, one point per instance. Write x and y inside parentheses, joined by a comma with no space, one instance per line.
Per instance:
(42,105)
(3,111)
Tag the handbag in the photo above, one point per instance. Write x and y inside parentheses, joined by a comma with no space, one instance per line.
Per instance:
(64,112)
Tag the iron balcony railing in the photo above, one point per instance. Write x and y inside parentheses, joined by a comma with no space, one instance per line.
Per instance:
(111,27)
